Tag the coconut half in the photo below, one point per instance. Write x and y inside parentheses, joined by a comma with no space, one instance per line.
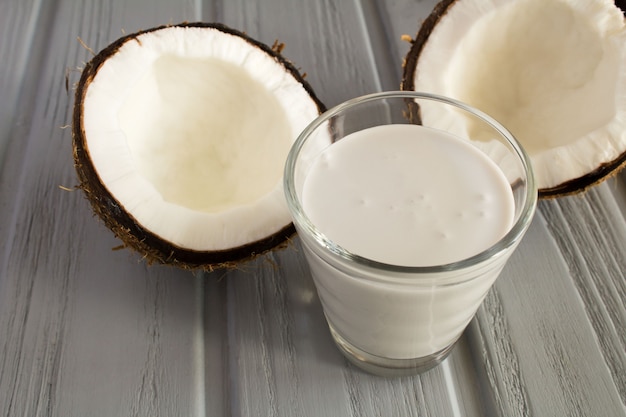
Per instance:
(552,71)
(180,137)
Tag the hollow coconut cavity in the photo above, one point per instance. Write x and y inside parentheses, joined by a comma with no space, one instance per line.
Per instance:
(552,71)
(180,137)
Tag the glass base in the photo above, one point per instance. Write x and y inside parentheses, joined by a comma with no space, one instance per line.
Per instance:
(387,367)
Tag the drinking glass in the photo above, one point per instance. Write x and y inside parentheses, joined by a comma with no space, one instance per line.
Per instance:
(392,319)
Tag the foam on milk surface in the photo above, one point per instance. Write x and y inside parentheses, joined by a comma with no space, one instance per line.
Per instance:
(408,195)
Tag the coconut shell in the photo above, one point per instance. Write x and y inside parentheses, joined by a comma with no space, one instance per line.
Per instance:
(150,246)
(574,186)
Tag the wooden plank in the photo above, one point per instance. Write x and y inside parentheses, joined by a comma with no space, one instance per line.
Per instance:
(18,36)
(84,330)
(534,328)
(617,186)
(591,231)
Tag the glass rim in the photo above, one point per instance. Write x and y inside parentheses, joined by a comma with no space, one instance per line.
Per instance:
(300,218)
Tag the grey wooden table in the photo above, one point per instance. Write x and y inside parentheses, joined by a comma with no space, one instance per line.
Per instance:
(89,331)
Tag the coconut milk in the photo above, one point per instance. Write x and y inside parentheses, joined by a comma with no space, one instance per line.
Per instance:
(411,196)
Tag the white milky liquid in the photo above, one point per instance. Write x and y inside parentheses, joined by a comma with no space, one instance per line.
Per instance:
(412,196)
(408,195)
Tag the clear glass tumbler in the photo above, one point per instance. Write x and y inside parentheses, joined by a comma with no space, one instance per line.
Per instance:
(391,319)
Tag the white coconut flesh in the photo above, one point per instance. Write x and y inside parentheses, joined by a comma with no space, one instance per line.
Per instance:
(552,71)
(188,129)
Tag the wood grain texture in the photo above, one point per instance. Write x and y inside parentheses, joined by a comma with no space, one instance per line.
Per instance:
(84,330)
(594,248)
(88,331)
(543,306)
